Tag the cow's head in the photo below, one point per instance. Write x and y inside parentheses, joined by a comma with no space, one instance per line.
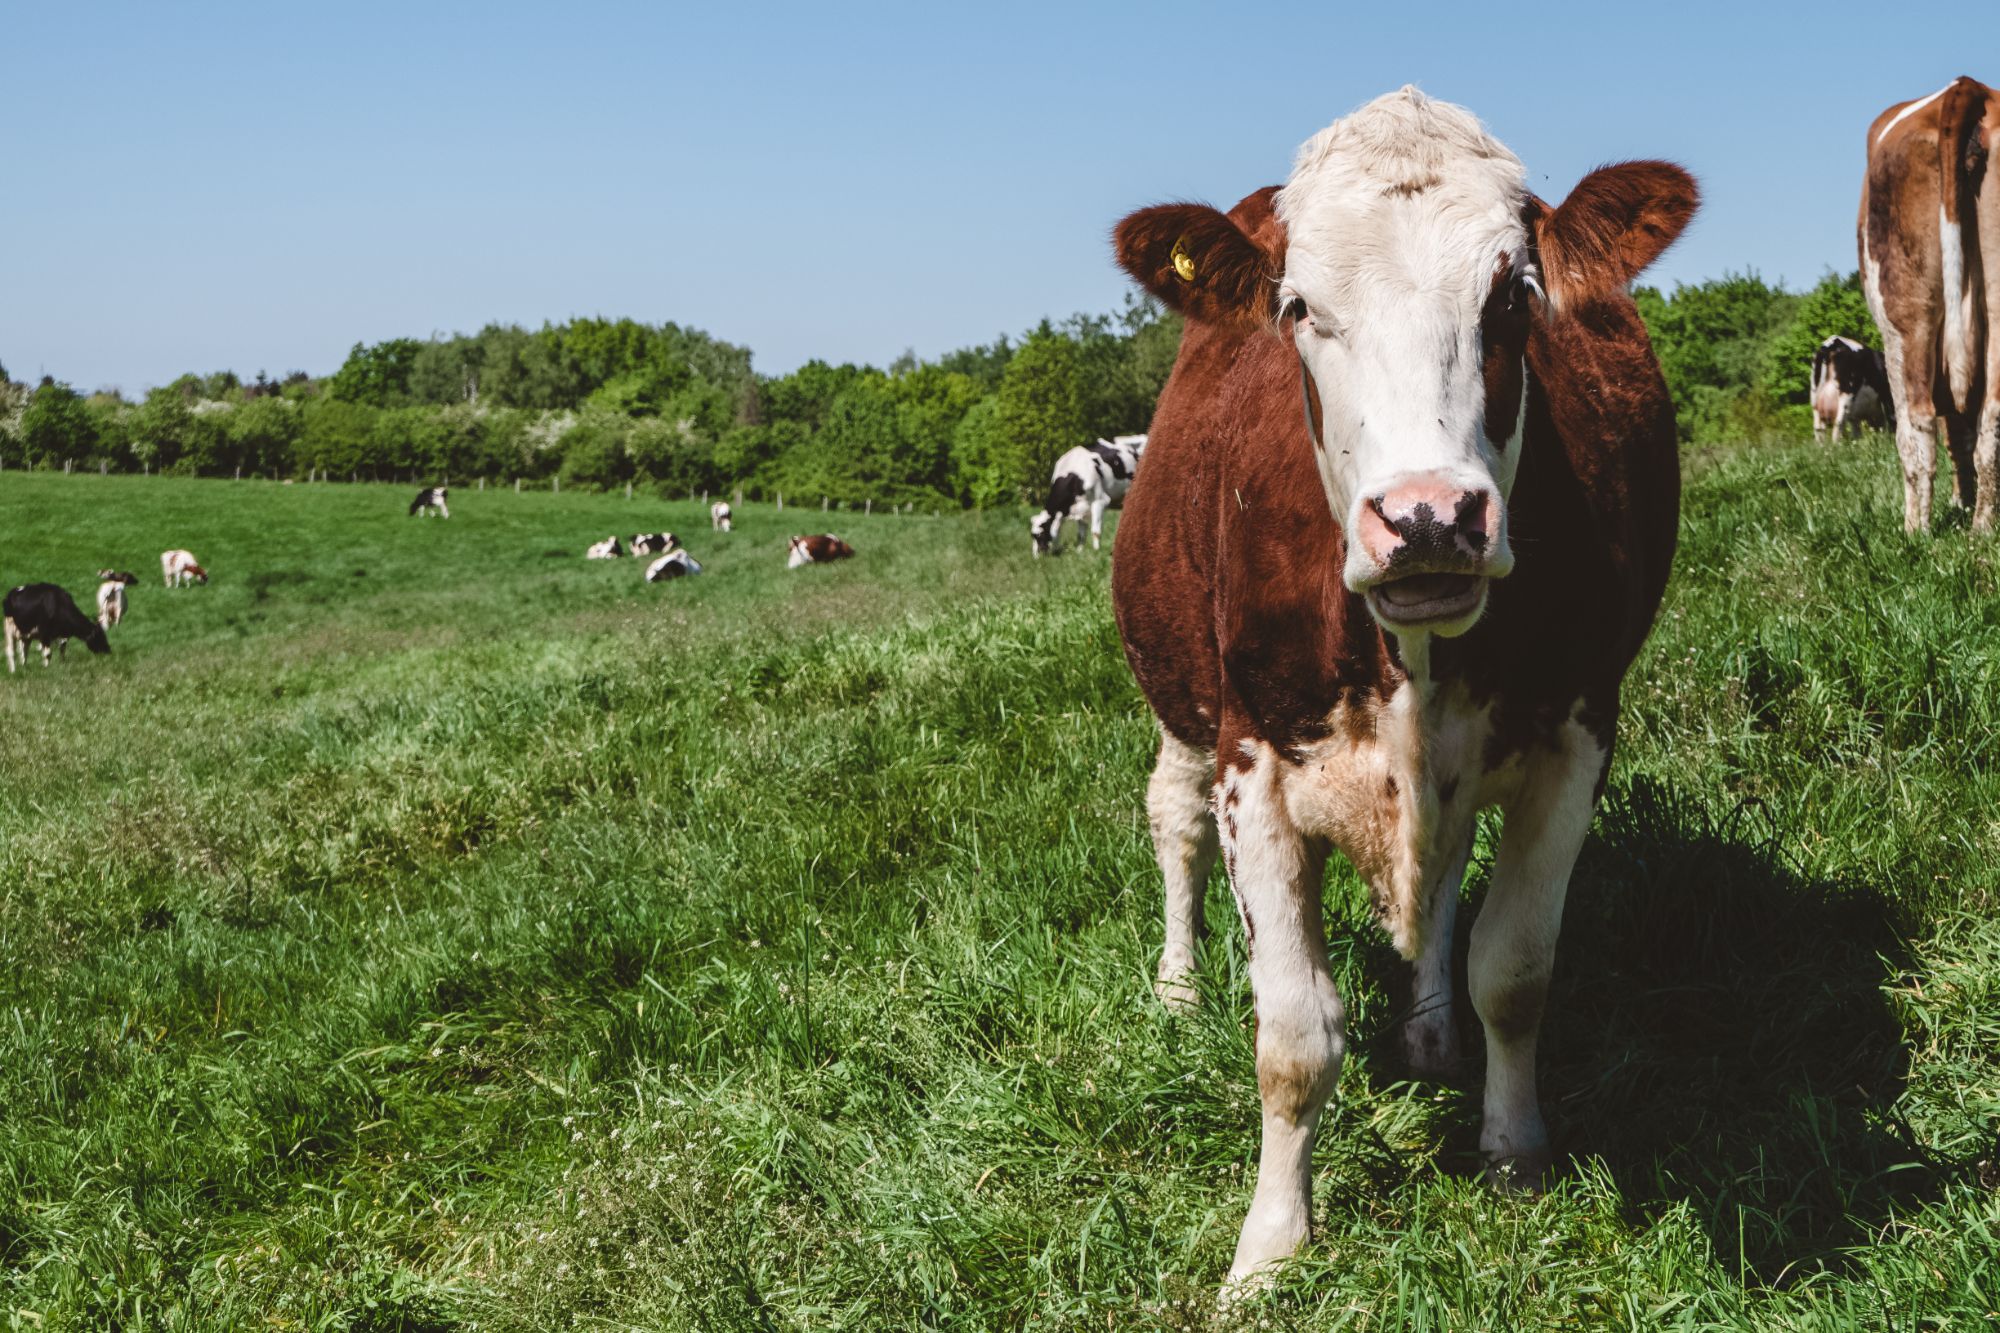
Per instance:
(1412,267)
(1042,531)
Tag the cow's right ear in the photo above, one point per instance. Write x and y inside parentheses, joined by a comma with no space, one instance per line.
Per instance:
(1199,263)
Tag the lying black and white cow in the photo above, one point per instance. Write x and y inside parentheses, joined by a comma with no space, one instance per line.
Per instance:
(719,515)
(1088,480)
(431,499)
(43,613)
(608,549)
(654,543)
(1850,385)
(673,565)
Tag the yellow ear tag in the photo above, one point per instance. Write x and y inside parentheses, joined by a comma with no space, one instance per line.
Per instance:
(1183,261)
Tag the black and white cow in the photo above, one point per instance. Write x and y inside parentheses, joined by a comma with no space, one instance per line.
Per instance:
(673,565)
(1088,480)
(719,515)
(608,549)
(1850,385)
(431,500)
(654,543)
(43,613)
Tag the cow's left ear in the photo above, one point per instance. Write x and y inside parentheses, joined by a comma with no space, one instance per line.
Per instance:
(1199,263)
(1615,222)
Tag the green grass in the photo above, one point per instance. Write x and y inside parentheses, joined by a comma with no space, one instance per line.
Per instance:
(423,928)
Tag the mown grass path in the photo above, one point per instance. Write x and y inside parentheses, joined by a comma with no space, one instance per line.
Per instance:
(424,928)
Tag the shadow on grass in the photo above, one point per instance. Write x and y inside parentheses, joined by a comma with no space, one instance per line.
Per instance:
(1718,1033)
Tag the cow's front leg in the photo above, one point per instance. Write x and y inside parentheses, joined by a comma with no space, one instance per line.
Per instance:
(1300,1037)
(1514,944)
(1097,508)
(1430,1032)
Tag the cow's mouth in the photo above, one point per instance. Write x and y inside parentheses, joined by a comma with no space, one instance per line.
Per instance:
(1423,599)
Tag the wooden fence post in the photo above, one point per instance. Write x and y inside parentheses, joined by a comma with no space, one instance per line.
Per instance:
(781,502)
(822,504)
(557,487)
(869,506)
(628,490)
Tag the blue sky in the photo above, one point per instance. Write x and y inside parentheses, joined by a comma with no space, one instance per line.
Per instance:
(204,187)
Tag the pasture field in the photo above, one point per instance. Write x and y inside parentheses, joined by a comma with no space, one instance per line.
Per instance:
(423,928)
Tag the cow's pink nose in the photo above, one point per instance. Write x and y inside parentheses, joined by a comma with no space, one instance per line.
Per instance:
(1427,524)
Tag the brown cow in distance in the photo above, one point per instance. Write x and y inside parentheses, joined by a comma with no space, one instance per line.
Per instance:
(1929,236)
(1408,510)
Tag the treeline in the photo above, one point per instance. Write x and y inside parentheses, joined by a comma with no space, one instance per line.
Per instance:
(600,403)
(1738,351)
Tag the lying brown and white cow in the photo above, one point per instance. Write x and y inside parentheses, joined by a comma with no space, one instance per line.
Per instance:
(817,549)
(1407,513)
(1929,236)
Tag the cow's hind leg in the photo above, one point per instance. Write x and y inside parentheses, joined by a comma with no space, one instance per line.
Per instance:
(1097,508)
(1300,1024)
(1916,446)
(1514,943)
(13,638)
(1185,844)
(1957,429)
(1986,466)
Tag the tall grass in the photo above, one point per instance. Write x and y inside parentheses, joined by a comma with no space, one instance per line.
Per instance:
(423,928)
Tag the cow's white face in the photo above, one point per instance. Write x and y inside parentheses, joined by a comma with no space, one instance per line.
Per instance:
(1408,276)
(1407,287)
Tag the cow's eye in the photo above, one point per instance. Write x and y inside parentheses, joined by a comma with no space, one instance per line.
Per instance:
(1295,310)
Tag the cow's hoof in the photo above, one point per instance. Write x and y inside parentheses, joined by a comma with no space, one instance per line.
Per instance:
(1526,1174)
(1431,1050)
(1176,991)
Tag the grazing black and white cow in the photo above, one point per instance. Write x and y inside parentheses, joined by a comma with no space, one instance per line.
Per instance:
(654,543)
(1850,385)
(178,568)
(110,602)
(43,613)
(1088,480)
(719,515)
(817,550)
(608,549)
(431,500)
(673,565)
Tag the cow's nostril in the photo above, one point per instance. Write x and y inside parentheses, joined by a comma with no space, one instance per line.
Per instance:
(1469,516)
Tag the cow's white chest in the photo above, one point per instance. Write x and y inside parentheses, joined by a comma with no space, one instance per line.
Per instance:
(1395,786)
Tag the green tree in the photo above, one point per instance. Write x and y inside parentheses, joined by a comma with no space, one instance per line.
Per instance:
(1038,414)
(55,426)
(377,375)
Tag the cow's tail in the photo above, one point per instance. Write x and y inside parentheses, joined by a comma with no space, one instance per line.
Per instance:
(1961,154)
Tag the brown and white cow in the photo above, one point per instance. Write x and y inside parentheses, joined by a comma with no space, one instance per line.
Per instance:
(1929,236)
(1407,513)
(179,568)
(817,549)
